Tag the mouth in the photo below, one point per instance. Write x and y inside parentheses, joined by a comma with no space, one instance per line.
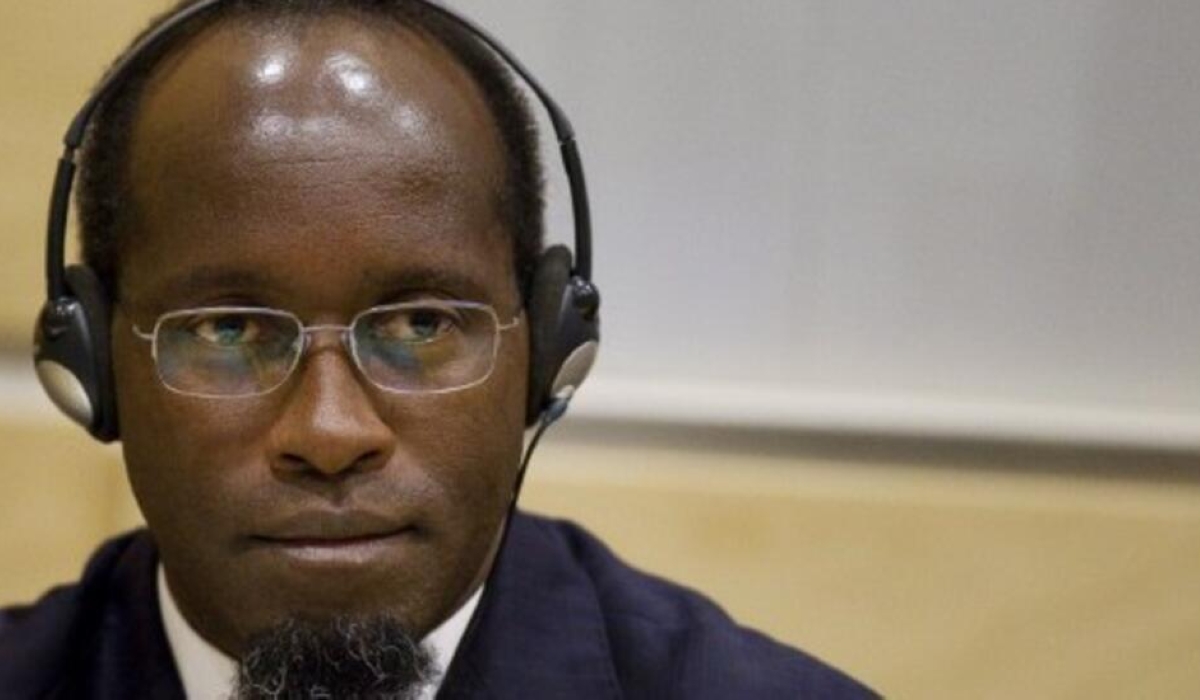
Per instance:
(333,539)
(349,550)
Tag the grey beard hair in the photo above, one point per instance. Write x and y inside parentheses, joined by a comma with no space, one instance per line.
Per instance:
(338,659)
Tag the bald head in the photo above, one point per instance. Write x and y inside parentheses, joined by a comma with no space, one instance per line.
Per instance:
(302,81)
(329,110)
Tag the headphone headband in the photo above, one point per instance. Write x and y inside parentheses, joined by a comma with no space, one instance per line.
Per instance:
(65,175)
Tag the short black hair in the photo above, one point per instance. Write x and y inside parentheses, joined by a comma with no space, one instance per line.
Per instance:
(104,187)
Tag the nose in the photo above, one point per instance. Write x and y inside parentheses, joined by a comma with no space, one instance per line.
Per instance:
(329,424)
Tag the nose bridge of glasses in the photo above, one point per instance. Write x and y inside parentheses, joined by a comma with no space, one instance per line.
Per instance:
(343,331)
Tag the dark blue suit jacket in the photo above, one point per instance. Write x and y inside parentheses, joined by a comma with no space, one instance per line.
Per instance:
(562,618)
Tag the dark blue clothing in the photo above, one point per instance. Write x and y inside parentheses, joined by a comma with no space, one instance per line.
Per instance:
(561,618)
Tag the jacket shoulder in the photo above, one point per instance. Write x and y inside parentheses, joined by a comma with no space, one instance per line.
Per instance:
(35,641)
(670,641)
(38,641)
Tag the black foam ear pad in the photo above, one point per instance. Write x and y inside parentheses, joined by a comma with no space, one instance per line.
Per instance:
(73,355)
(86,286)
(550,280)
(564,333)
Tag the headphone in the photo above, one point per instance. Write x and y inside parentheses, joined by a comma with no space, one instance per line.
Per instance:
(72,351)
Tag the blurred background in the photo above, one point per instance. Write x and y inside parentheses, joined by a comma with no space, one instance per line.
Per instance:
(902,319)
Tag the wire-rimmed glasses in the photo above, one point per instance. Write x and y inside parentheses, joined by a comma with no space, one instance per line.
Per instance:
(433,346)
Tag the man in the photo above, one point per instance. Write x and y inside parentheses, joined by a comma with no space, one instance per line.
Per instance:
(315,223)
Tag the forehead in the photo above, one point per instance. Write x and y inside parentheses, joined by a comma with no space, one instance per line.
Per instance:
(336,139)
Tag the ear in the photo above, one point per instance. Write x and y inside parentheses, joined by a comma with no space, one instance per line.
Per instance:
(72,354)
(564,331)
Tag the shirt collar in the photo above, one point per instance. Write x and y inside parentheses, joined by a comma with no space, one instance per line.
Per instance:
(208,674)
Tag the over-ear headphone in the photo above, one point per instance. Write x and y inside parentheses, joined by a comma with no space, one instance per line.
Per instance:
(71,338)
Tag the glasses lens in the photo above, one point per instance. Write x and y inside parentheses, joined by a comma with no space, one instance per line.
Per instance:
(431,346)
(226,352)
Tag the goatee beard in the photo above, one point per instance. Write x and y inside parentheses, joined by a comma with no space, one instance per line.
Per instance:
(338,659)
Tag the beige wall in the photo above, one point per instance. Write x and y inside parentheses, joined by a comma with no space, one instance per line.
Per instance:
(978,572)
(53,53)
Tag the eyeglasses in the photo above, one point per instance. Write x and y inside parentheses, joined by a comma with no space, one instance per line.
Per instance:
(412,347)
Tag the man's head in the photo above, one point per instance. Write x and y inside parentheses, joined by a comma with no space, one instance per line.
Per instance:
(319,160)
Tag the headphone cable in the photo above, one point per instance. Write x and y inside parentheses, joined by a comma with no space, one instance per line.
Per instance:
(550,416)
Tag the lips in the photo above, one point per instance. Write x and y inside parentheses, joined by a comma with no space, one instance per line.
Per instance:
(325,537)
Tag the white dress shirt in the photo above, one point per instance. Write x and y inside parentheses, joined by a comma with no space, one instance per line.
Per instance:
(208,674)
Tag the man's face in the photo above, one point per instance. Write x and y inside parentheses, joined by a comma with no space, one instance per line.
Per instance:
(320,168)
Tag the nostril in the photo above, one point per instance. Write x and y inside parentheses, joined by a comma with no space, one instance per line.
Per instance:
(295,462)
(366,462)
(330,467)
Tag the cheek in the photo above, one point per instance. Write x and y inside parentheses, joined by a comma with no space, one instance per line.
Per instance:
(178,450)
(470,442)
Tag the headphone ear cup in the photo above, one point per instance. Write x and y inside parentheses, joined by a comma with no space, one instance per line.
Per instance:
(550,279)
(86,287)
(564,333)
(73,356)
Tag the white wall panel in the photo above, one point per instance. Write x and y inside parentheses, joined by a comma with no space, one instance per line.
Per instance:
(935,204)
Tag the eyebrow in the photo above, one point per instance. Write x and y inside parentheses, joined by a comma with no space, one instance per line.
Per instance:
(448,281)
(205,280)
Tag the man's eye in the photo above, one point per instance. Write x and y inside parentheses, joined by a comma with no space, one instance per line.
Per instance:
(415,325)
(226,330)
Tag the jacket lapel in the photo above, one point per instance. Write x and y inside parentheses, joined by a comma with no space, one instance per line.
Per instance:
(540,631)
